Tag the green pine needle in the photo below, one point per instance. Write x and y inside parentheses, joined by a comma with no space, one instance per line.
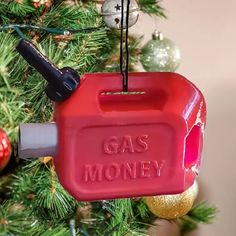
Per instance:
(51,198)
(12,112)
(37,186)
(73,16)
(200,214)
(20,9)
(203,213)
(15,219)
(143,211)
(7,55)
(60,230)
(123,220)
(152,7)
(22,187)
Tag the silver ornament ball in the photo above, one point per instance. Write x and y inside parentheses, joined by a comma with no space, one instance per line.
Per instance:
(111,13)
(160,54)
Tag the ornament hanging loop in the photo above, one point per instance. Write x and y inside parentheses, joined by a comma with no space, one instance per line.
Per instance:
(157,35)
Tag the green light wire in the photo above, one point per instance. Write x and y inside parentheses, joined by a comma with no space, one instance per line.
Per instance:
(18,27)
(20,33)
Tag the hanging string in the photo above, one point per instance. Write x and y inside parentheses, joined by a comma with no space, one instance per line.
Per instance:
(125,74)
(121,42)
(127,48)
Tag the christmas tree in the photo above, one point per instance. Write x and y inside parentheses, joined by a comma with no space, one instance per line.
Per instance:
(71,33)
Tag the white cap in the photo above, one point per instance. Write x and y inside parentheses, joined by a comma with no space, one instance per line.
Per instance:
(37,140)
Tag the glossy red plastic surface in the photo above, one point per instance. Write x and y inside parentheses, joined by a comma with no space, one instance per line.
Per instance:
(5,149)
(147,142)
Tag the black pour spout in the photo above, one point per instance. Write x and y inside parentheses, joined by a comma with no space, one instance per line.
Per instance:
(61,82)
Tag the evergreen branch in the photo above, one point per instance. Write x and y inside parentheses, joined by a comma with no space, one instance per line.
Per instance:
(20,9)
(12,112)
(47,229)
(122,220)
(203,213)
(3,9)
(60,230)
(4,185)
(75,17)
(121,211)
(10,9)
(22,188)
(7,55)
(37,186)
(142,211)
(52,198)
(200,214)
(15,219)
(85,52)
(152,7)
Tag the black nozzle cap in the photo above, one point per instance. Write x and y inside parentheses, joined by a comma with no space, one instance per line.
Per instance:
(61,83)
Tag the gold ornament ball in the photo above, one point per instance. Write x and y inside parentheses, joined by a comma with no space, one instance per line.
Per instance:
(172,206)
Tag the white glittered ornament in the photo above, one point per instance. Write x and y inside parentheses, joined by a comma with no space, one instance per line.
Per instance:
(111,13)
(160,54)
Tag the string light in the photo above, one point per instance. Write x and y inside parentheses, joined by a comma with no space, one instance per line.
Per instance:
(57,31)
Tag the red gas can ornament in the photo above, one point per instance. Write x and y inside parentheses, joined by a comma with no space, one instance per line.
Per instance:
(110,144)
(117,145)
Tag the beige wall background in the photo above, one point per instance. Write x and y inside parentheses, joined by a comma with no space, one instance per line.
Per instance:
(206,33)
